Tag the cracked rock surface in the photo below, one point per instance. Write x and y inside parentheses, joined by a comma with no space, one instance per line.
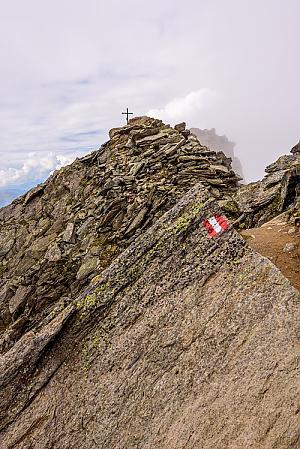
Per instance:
(125,325)
(183,341)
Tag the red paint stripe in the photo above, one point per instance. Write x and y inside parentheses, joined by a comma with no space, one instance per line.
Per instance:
(222,221)
(209,228)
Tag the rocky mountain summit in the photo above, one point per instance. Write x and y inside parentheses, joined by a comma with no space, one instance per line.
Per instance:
(134,315)
(70,228)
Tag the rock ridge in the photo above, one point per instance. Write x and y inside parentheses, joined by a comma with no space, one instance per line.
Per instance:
(132,313)
(62,233)
(157,345)
(278,192)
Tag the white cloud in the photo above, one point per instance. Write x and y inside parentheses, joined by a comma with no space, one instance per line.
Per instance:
(188,108)
(68,70)
(34,168)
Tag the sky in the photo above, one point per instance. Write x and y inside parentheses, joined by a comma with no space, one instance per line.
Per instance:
(70,67)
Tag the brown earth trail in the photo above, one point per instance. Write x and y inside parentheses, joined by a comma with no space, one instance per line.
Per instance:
(281,244)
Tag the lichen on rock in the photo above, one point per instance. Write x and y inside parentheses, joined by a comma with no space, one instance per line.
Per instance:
(125,323)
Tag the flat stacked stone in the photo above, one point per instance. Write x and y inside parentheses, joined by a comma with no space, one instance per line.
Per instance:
(276,193)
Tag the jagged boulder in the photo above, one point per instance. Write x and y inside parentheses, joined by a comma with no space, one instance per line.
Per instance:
(279,191)
(185,340)
(296,148)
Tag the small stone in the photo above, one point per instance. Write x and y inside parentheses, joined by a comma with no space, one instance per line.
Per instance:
(191,157)
(43,243)
(180,127)
(19,299)
(6,292)
(109,216)
(219,168)
(296,148)
(5,247)
(130,143)
(292,231)
(43,226)
(111,183)
(118,221)
(54,253)
(114,131)
(193,138)
(215,192)
(68,235)
(172,150)
(151,139)
(144,132)
(289,247)
(95,250)
(87,268)
(36,191)
(84,226)
(138,220)
(136,168)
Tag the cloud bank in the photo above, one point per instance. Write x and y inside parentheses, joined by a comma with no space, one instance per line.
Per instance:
(68,70)
(189,108)
(33,169)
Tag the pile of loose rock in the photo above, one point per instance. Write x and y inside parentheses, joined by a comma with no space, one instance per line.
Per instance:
(212,140)
(279,191)
(64,232)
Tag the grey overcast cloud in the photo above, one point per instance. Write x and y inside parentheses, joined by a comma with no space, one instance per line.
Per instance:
(70,67)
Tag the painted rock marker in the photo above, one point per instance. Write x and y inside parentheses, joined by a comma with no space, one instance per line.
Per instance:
(215,225)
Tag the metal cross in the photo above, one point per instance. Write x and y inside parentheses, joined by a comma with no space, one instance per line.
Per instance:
(127,113)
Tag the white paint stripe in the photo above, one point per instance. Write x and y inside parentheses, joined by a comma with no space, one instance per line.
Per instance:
(215,224)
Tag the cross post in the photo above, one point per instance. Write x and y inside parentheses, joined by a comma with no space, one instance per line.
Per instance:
(127,113)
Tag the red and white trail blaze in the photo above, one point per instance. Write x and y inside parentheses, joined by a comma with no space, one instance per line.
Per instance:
(215,225)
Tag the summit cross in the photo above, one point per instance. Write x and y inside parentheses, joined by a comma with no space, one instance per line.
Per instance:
(127,113)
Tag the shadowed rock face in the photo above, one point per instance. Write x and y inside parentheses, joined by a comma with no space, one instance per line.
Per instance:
(183,341)
(279,191)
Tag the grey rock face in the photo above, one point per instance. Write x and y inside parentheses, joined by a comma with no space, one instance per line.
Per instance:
(183,341)
(278,191)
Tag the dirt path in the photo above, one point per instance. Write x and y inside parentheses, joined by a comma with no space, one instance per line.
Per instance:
(279,242)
